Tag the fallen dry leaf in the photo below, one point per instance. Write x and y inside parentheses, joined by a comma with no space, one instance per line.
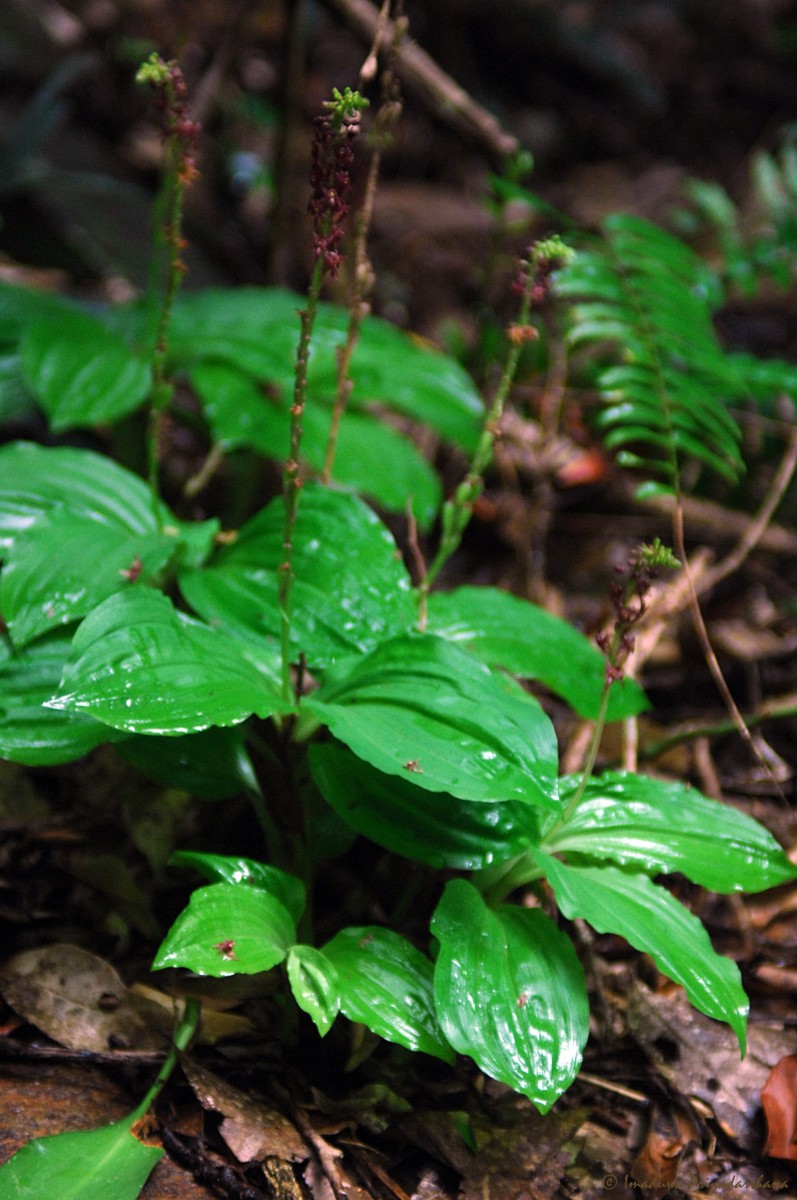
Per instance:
(700,1058)
(253,1130)
(80,1001)
(779,1101)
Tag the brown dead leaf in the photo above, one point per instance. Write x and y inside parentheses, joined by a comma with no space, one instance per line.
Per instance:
(700,1057)
(669,1135)
(779,1101)
(81,1002)
(253,1130)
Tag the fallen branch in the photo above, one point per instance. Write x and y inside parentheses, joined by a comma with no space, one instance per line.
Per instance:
(421,75)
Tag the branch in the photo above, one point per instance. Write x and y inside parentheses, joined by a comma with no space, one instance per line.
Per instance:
(421,74)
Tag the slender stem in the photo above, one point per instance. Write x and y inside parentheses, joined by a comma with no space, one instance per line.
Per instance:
(291,479)
(185,1029)
(457,511)
(162,388)
(592,754)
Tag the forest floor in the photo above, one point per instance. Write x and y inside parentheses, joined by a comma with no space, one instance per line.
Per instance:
(621,106)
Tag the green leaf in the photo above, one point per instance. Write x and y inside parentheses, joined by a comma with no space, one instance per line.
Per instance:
(30,733)
(20,306)
(81,372)
(435,828)
(510,992)
(420,708)
(89,1164)
(36,479)
(505,631)
(658,826)
(213,764)
(66,564)
(314,983)
(139,665)
(645,312)
(351,589)
(256,331)
(74,529)
(652,920)
(386,985)
(240,414)
(228,930)
(221,868)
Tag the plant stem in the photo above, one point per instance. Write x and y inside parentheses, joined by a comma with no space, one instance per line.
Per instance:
(592,754)
(458,510)
(291,480)
(179,171)
(184,1031)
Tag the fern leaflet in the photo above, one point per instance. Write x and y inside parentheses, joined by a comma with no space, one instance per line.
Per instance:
(643,291)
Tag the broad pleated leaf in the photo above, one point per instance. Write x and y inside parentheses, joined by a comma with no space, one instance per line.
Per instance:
(351,588)
(213,764)
(240,413)
(386,985)
(256,331)
(314,983)
(506,631)
(652,920)
(228,930)
(35,479)
(81,372)
(90,1164)
(659,826)
(139,665)
(666,391)
(510,992)
(222,868)
(422,709)
(75,528)
(29,732)
(435,828)
(65,565)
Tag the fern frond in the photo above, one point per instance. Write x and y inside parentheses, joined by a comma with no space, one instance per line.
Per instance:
(642,300)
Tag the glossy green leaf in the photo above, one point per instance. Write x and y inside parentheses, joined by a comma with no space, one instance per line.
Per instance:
(652,920)
(29,732)
(81,372)
(67,564)
(228,930)
(506,631)
(314,983)
(241,414)
(74,529)
(351,588)
(510,992)
(420,708)
(435,828)
(659,826)
(386,984)
(222,868)
(139,665)
(20,306)
(213,764)
(90,1164)
(256,331)
(36,479)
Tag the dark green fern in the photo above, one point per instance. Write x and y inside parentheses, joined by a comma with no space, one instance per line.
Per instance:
(642,301)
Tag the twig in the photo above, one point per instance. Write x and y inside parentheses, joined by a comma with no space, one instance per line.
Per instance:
(760,523)
(708,651)
(421,75)
(774,709)
(326,1154)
